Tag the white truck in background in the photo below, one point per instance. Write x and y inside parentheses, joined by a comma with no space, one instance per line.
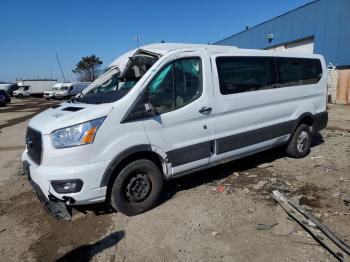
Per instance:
(50,94)
(35,87)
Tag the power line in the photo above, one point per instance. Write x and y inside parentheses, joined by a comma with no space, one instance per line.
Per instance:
(60,68)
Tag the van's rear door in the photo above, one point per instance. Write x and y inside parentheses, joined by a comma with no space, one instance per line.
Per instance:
(182,95)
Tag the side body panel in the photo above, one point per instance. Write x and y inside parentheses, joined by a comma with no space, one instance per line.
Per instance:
(245,120)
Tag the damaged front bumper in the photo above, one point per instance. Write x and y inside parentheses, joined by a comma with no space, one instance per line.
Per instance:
(54,206)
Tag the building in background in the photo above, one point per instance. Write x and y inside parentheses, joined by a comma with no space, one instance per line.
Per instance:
(320,27)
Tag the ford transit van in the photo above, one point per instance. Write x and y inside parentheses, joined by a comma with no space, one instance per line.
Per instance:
(165,110)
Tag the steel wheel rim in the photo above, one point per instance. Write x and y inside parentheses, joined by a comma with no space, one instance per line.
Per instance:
(138,187)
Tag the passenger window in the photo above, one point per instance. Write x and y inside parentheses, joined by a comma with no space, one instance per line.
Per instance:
(161,92)
(291,71)
(314,70)
(188,81)
(176,85)
(245,74)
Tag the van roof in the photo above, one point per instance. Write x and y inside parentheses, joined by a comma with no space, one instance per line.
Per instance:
(163,48)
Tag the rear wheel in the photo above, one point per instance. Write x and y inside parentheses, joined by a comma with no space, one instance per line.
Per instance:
(300,144)
(137,188)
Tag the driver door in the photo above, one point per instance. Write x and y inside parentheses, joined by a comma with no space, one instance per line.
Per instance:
(182,124)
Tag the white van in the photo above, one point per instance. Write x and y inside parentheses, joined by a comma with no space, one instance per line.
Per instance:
(71,89)
(167,110)
(22,91)
(50,94)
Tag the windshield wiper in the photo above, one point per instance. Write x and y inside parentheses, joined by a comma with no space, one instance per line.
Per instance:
(74,99)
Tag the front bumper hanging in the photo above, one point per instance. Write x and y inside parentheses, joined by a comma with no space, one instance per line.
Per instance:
(54,206)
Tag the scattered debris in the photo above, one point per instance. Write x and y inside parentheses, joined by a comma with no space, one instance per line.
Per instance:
(316,157)
(265,226)
(214,233)
(250,211)
(195,226)
(2,230)
(336,194)
(259,185)
(21,172)
(314,227)
(305,243)
(346,202)
(265,165)
(220,189)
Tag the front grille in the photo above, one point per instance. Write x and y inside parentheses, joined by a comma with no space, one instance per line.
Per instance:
(34,145)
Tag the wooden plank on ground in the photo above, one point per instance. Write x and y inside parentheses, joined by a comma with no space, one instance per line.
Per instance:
(314,227)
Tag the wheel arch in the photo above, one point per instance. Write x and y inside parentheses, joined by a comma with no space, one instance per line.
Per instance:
(126,157)
(305,118)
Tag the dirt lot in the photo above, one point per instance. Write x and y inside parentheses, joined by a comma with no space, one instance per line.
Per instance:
(208,216)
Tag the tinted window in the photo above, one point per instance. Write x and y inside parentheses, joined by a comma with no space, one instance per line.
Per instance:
(291,71)
(298,71)
(161,92)
(175,85)
(314,70)
(188,86)
(244,74)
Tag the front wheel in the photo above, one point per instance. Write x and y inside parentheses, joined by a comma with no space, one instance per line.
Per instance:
(137,188)
(300,144)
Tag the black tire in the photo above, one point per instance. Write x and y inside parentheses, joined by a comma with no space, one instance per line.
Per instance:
(300,144)
(137,188)
(20,96)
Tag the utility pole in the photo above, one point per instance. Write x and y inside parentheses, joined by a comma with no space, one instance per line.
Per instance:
(137,39)
(60,68)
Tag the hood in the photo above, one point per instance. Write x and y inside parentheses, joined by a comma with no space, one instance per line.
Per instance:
(67,114)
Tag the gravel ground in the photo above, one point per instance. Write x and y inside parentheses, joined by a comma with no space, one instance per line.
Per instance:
(208,216)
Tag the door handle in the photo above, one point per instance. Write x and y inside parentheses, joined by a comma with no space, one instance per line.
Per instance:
(205,109)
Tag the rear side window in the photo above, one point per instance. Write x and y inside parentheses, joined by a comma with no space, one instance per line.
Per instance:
(314,70)
(245,74)
(298,71)
(291,71)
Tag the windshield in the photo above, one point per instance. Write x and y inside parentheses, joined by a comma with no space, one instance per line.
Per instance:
(116,83)
(112,82)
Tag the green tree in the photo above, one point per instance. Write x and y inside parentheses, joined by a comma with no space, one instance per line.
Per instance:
(88,67)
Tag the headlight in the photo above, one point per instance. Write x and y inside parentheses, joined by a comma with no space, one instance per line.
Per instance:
(80,134)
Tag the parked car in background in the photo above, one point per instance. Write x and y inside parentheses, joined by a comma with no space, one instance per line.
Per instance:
(166,110)
(22,91)
(71,89)
(4,98)
(50,94)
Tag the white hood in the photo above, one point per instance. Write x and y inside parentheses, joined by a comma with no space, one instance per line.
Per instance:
(68,114)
